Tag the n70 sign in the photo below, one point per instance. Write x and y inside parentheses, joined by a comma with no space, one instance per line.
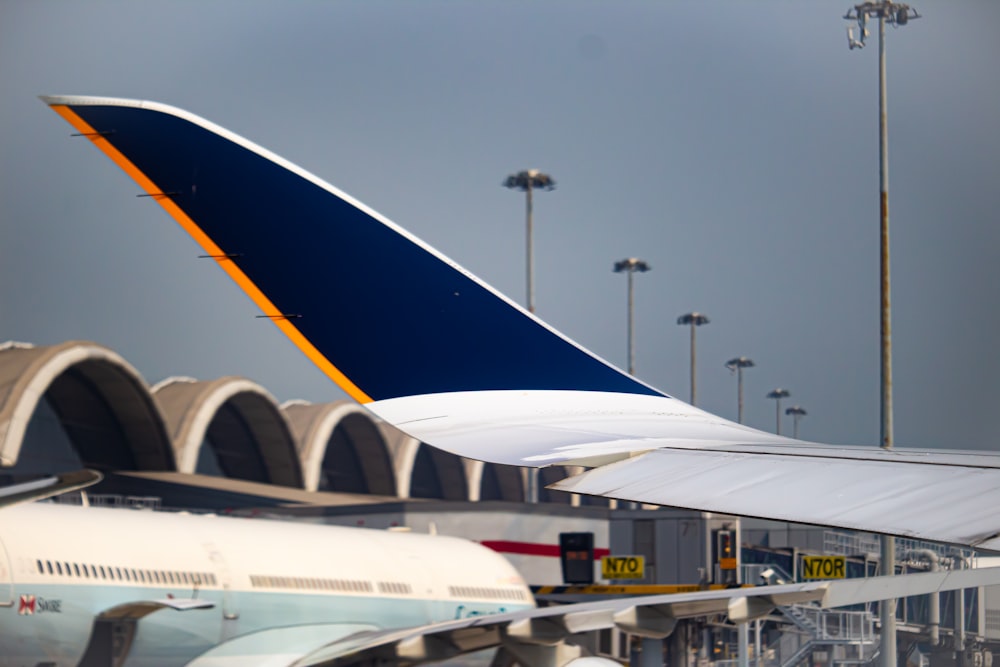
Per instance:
(623,567)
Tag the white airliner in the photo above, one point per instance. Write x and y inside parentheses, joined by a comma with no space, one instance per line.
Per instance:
(111,587)
(485,379)
(264,589)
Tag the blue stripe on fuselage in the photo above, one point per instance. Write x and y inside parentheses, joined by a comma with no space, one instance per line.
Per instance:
(394,318)
(169,638)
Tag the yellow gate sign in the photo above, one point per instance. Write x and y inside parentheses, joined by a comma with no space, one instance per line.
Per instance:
(623,567)
(824,567)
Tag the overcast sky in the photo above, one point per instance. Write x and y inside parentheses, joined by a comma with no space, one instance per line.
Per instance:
(732,145)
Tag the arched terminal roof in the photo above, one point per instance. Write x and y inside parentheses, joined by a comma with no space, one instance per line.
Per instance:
(341,448)
(437,474)
(101,401)
(239,423)
(230,427)
(425,472)
(499,482)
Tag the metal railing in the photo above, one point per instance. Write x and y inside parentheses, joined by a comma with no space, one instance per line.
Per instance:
(849,543)
(111,500)
(827,626)
(850,634)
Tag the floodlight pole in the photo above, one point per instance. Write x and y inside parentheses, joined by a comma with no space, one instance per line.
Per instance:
(529,259)
(887,547)
(695,320)
(886,311)
(899,14)
(630,265)
(797,412)
(777,395)
(738,364)
(528,181)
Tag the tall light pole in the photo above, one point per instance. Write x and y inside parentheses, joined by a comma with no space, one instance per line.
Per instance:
(797,412)
(898,14)
(528,181)
(738,364)
(694,320)
(631,265)
(777,395)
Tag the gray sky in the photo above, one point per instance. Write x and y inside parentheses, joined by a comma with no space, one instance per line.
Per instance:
(732,145)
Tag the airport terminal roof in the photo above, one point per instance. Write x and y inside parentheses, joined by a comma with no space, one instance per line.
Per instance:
(81,404)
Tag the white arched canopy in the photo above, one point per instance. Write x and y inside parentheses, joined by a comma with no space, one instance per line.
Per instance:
(101,402)
(438,474)
(501,482)
(240,424)
(341,447)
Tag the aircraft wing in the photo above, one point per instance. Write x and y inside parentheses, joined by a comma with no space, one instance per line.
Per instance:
(277,646)
(483,378)
(46,487)
(647,616)
(931,497)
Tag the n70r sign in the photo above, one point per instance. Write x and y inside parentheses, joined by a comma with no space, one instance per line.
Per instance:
(623,567)
(824,567)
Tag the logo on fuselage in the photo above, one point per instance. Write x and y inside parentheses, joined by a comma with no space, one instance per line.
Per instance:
(464,612)
(30,605)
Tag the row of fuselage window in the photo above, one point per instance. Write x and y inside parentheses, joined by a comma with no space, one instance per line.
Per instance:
(338,585)
(126,574)
(168,577)
(488,593)
(385,587)
(310,583)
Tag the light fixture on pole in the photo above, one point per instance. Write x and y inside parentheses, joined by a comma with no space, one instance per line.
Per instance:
(897,14)
(528,181)
(737,364)
(777,395)
(797,412)
(630,266)
(694,320)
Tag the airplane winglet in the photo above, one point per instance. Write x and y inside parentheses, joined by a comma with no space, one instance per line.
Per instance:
(66,107)
(295,244)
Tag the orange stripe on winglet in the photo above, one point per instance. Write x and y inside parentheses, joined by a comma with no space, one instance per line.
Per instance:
(210,248)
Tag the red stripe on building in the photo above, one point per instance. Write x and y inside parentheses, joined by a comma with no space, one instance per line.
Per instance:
(533,549)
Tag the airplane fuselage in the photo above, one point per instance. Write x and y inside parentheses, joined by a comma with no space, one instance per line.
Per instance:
(274,585)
